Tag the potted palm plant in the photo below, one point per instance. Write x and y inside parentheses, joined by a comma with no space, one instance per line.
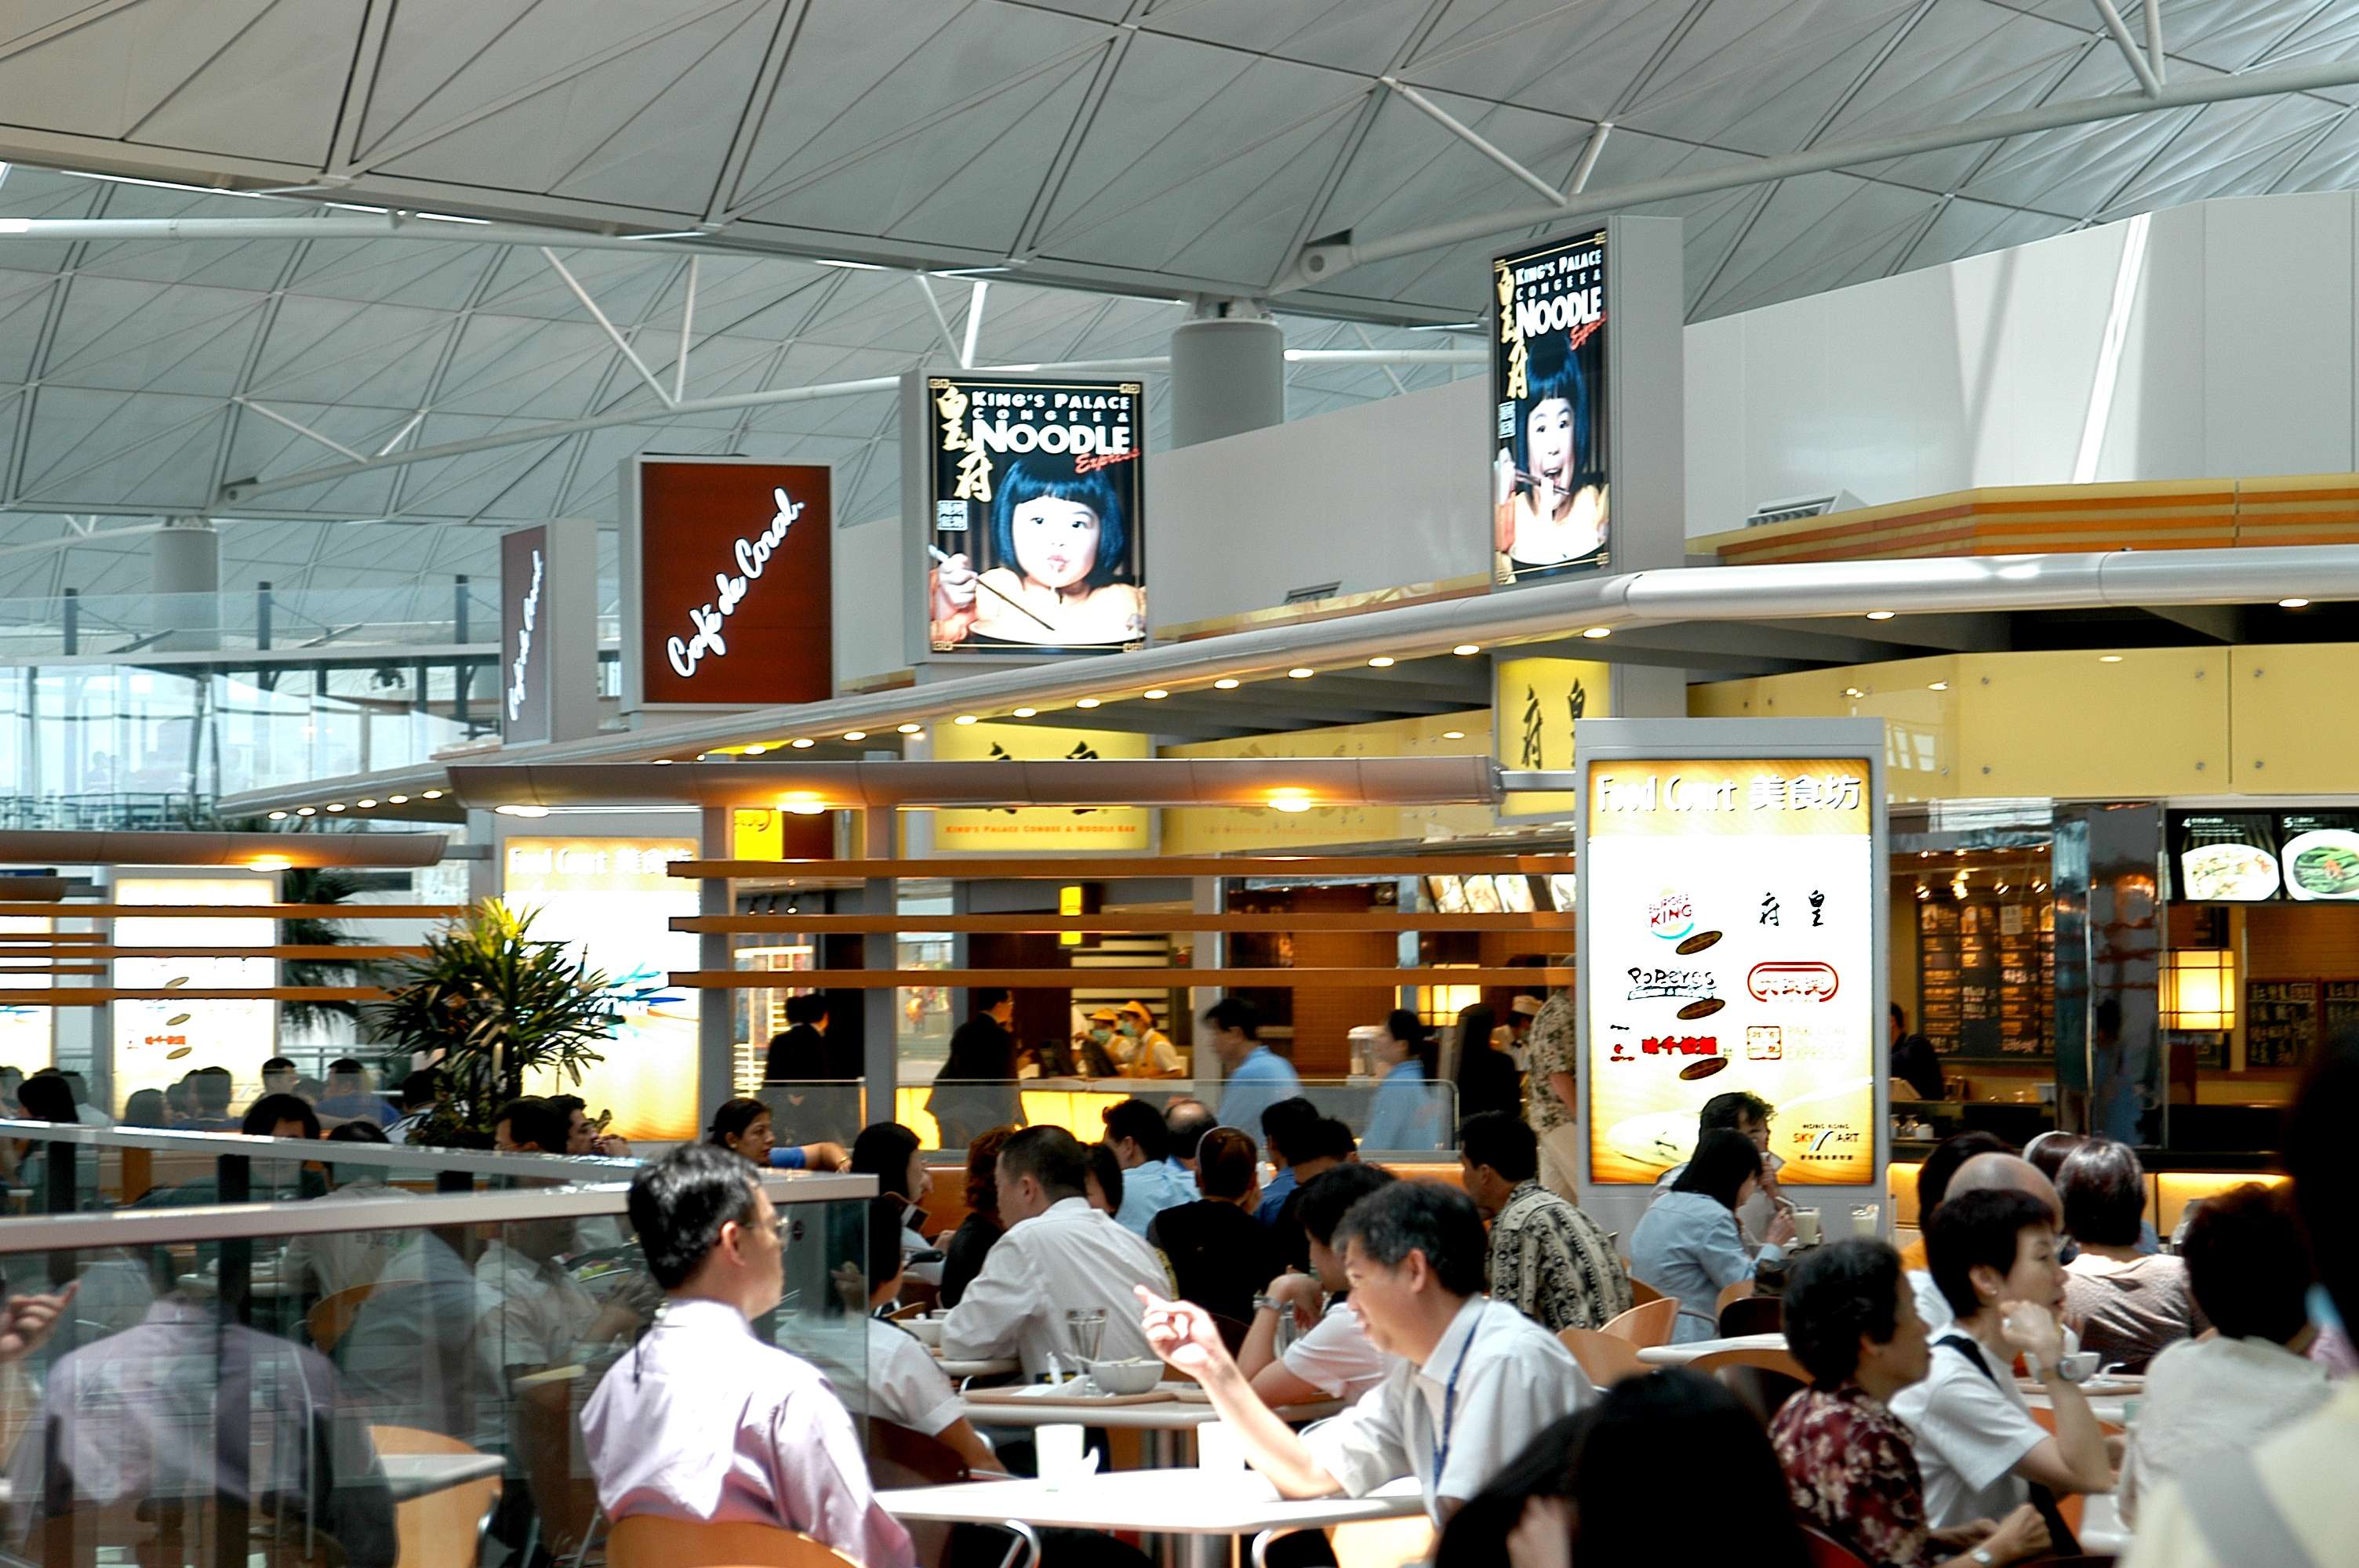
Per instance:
(497,1005)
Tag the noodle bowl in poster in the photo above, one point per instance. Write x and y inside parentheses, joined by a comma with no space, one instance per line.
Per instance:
(1550,495)
(1035,520)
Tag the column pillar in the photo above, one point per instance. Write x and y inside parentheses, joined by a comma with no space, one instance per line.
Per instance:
(880,1009)
(184,572)
(716,1011)
(1228,371)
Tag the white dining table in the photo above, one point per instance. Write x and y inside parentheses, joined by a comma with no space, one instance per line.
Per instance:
(1165,1421)
(1212,1510)
(1680,1355)
(959,1371)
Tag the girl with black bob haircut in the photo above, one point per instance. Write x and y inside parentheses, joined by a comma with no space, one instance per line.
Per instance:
(1552,508)
(1619,1482)
(1060,545)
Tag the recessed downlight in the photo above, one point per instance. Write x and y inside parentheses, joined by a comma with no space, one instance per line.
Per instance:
(2293,604)
(1289,800)
(908,729)
(278,816)
(434,795)
(1300,672)
(756,750)
(1464,650)
(1381,662)
(2109,658)
(1881,614)
(368,805)
(803,742)
(1938,686)
(1227,683)
(965,719)
(397,800)
(335,806)
(1024,712)
(307,811)
(1087,702)
(1453,734)
(1156,694)
(855,734)
(1594,633)
(522,810)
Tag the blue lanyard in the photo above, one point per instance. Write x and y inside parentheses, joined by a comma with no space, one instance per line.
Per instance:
(1450,1408)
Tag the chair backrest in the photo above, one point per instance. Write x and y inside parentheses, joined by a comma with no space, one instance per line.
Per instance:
(1645,1326)
(1606,1358)
(1382,1542)
(1733,1292)
(1763,1380)
(1768,1359)
(1752,1314)
(563,1492)
(902,1456)
(1641,1293)
(334,1314)
(1826,1552)
(643,1541)
(443,1529)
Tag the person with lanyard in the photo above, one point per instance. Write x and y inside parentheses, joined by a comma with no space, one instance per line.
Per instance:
(1981,1452)
(1476,1382)
(701,1419)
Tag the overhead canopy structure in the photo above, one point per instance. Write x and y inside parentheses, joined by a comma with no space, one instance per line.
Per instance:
(961,167)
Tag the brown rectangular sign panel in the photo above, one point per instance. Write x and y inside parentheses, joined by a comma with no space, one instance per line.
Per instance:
(732,583)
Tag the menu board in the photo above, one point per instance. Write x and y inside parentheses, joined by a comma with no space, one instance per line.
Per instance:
(1731,945)
(2281,1021)
(2252,857)
(1986,977)
(2342,1010)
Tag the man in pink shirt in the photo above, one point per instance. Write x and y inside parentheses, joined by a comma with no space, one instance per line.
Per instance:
(701,1419)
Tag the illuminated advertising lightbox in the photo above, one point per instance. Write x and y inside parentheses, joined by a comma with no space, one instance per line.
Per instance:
(524,641)
(160,1041)
(1731,945)
(28,1034)
(1040,829)
(609,901)
(1537,702)
(727,601)
(1549,493)
(1034,523)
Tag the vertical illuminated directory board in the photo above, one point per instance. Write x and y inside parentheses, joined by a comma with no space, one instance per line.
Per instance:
(1732,934)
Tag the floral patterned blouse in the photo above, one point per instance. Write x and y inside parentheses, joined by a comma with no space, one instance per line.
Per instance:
(1852,1467)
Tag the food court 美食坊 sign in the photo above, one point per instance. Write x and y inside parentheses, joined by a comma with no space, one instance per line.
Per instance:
(727,602)
(1730,944)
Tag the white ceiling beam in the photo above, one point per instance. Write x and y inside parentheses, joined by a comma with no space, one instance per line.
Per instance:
(2153,40)
(1470,136)
(687,331)
(2149,78)
(620,342)
(1320,263)
(973,323)
(298,426)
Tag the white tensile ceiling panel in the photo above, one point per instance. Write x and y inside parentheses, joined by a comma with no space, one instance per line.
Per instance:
(1104,160)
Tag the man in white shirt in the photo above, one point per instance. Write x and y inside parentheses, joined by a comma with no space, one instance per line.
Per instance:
(1990,1173)
(702,1420)
(1150,1184)
(1058,1255)
(1477,1379)
(1335,1357)
(904,1386)
(1978,1447)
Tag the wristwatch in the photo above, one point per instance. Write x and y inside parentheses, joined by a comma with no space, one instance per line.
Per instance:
(2062,1370)
(1270,1304)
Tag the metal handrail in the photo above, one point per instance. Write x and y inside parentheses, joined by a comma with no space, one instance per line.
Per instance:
(382,1156)
(314,1217)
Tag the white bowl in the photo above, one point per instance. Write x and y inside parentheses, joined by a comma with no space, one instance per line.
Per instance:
(1136,1376)
(929,1330)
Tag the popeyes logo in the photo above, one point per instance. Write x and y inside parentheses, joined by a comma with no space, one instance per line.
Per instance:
(708,620)
(1795,980)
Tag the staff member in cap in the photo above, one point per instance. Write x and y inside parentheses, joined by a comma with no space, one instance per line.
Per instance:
(1142,1050)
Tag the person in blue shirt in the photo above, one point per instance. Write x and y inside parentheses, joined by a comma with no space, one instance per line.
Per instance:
(1185,1121)
(1258,1077)
(1135,1132)
(1406,1111)
(1288,1128)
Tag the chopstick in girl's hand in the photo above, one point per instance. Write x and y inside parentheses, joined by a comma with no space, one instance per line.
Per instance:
(942,559)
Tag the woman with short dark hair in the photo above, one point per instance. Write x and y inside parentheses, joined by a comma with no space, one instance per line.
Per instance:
(2130,1304)
(1689,1246)
(2249,1271)
(1850,1320)
(972,1242)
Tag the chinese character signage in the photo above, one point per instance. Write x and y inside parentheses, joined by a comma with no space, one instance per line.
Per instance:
(1535,703)
(1731,946)
(1034,516)
(610,902)
(1548,382)
(726,598)
(1043,829)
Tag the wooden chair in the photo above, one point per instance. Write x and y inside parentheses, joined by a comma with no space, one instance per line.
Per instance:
(332,1317)
(1606,1358)
(1752,1314)
(444,1528)
(643,1541)
(1645,1326)
(1382,1542)
(1642,1292)
(904,1313)
(1763,1380)
(1736,1292)
(1826,1552)
(564,1492)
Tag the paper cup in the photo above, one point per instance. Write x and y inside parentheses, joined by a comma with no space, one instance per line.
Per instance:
(1058,1447)
(1218,1447)
(1805,1228)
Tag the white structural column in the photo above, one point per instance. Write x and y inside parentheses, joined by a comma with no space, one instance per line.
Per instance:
(716,1017)
(184,573)
(1228,373)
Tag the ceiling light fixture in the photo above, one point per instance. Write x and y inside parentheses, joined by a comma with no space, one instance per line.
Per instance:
(335,806)
(1024,712)
(965,719)
(756,750)
(1289,800)
(803,803)
(1300,672)
(1938,686)
(1156,694)
(522,810)
(270,862)
(1227,683)
(663,762)
(397,800)
(1453,734)
(1854,691)
(368,805)
(2109,658)
(2293,604)
(1880,614)
(1087,702)
(803,742)
(1594,633)
(307,811)
(1464,650)
(855,734)
(278,816)
(434,795)
(1381,662)
(908,729)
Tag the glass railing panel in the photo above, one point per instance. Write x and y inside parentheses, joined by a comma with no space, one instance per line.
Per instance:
(1405,1116)
(314,1381)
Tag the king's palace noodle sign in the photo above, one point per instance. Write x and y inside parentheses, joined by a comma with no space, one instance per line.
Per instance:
(1730,947)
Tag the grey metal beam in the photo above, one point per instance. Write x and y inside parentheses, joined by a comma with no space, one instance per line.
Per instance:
(2221,623)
